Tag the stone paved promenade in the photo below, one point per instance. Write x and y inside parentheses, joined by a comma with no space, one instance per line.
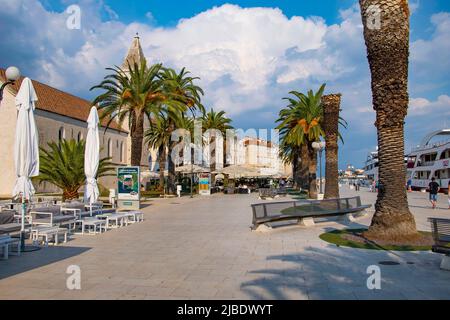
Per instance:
(202,248)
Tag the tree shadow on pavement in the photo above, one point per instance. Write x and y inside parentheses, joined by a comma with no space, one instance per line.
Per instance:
(337,273)
(31,260)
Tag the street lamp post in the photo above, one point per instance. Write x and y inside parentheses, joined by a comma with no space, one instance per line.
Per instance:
(192,178)
(319,147)
(12,75)
(192,146)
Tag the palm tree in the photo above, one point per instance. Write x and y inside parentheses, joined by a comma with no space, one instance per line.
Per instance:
(331,120)
(388,55)
(187,97)
(218,121)
(187,124)
(130,96)
(62,165)
(300,125)
(290,155)
(157,136)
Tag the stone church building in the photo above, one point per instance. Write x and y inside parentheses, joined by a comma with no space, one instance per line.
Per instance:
(60,115)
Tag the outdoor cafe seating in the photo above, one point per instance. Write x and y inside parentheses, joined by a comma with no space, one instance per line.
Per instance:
(46,222)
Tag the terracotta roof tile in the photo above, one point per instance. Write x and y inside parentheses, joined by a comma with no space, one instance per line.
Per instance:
(56,101)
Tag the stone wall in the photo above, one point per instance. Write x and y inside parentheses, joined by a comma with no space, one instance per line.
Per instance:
(8,115)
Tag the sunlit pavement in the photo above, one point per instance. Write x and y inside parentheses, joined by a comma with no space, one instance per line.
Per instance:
(203,248)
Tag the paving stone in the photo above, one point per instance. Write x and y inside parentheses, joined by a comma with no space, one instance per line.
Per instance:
(203,249)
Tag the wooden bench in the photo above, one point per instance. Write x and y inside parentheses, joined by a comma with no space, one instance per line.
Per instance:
(11,228)
(440,229)
(134,216)
(52,216)
(271,193)
(304,211)
(267,193)
(48,233)
(95,223)
(5,242)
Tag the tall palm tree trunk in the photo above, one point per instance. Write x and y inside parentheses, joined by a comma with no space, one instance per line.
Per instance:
(213,163)
(137,138)
(295,171)
(303,173)
(171,163)
(331,106)
(162,165)
(388,54)
(312,171)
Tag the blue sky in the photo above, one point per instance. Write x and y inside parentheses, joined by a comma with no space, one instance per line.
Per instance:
(168,13)
(249,54)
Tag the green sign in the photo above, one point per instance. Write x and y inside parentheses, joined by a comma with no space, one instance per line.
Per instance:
(128,183)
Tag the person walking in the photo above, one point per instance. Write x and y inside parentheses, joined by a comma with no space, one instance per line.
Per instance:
(409,185)
(433,188)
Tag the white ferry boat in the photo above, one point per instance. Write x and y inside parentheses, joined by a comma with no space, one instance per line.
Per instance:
(430,159)
(371,166)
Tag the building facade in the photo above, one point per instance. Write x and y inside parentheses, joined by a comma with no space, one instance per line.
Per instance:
(263,155)
(58,115)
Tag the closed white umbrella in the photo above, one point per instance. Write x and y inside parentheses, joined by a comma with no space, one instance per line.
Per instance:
(26,147)
(91,158)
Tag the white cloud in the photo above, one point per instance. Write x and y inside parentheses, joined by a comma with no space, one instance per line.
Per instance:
(247,58)
(422,106)
(430,63)
(245,44)
(240,48)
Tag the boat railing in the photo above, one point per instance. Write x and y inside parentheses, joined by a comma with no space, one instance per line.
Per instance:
(426,164)
(431,145)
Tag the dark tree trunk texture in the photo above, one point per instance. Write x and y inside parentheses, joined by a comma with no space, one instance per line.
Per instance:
(212,157)
(171,164)
(331,107)
(137,138)
(388,55)
(162,165)
(303,173)
(295,166)
(312,171)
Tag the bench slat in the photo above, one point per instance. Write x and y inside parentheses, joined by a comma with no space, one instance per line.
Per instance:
(440,229)
(272,212)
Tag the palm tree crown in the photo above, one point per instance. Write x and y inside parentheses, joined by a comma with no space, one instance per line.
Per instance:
(216,120)
(128,95)
(300,120)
